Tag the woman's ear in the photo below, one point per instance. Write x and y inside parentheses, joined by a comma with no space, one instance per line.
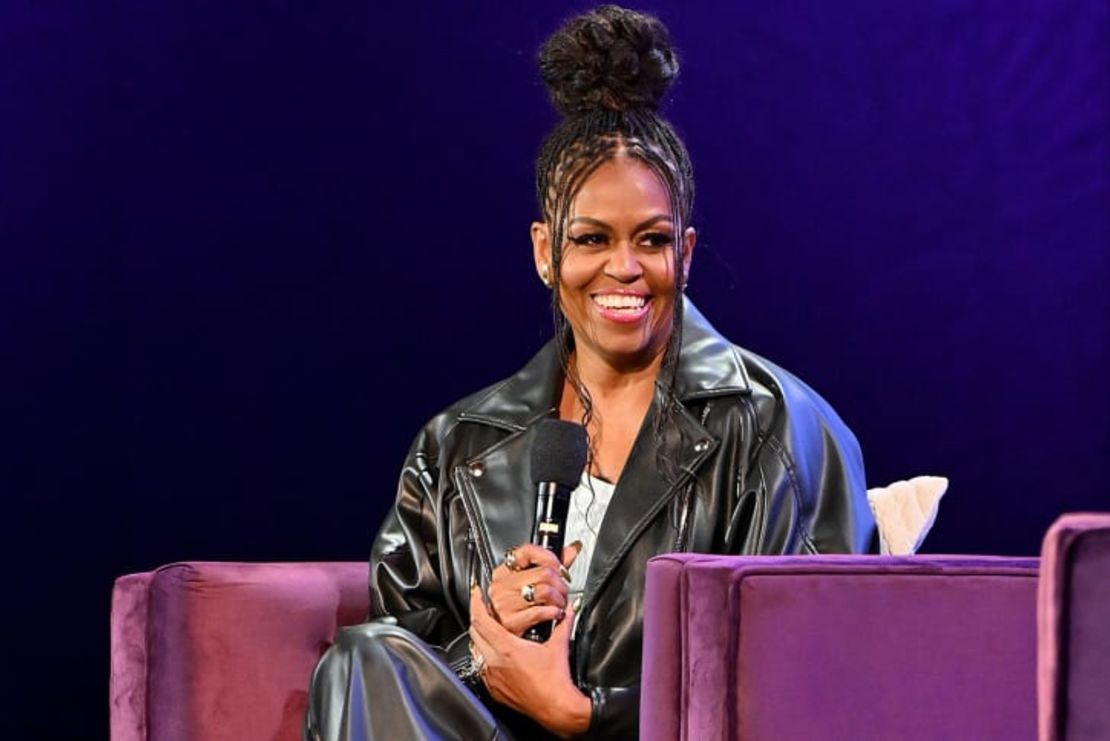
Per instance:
(689,239)
(541,251)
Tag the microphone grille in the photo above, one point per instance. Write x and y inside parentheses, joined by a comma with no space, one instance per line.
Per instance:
(559,452)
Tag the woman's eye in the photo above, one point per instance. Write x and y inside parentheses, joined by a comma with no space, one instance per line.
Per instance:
(586,240)
(657,239)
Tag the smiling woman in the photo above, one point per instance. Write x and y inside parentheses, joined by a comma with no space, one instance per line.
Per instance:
(617,289)
(617,277)
(694,444)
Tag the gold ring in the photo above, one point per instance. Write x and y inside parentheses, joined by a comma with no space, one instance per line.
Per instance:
(510,560)
(528,593)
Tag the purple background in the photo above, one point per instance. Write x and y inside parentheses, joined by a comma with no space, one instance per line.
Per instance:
(248,250)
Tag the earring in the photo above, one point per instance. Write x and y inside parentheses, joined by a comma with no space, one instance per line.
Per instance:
(545,275)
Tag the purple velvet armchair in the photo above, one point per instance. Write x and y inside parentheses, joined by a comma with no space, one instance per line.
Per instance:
(223,651)
(840,647)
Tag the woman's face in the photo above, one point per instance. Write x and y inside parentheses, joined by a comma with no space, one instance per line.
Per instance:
(617,278)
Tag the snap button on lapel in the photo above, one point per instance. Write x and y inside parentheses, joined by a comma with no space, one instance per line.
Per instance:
(701,446)
(476,470)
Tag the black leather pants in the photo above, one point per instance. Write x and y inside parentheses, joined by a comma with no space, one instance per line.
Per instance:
(379,681)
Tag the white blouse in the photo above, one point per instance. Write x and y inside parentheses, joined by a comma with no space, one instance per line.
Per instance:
(587,510)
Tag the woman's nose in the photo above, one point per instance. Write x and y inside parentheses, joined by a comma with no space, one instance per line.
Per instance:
(624,264)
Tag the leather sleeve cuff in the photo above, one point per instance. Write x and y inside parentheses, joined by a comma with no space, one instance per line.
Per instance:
(615,712)
(457,655)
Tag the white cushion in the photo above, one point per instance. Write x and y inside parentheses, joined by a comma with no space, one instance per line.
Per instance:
(905,511)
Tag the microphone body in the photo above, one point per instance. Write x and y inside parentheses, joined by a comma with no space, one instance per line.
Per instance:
(557,458)
(552,505)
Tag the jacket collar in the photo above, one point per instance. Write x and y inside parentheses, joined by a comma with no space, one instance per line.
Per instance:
(491,482)
(708,366)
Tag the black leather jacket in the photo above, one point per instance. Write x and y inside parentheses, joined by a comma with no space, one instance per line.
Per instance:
(766,467)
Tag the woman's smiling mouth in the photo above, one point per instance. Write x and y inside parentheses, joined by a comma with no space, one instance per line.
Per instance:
(621,307)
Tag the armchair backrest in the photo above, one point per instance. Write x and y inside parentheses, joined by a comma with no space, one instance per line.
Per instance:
(839,647)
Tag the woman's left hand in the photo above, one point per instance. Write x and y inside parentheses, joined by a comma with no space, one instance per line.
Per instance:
(532,678)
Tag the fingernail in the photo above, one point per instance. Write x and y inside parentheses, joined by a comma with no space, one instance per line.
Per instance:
(562,614)
(577,546)
(564,573)
(576,604)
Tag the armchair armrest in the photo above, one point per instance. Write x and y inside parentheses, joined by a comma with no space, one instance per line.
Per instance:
(1073,629)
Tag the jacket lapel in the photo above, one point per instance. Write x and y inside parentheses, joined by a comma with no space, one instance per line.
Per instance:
(496,483)
(499,498)
(642,491)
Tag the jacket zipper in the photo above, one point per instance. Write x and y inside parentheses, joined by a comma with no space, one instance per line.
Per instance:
(471,576)
(682,535)
(480,546)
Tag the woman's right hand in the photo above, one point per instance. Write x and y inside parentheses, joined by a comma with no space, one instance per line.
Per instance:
(549,579)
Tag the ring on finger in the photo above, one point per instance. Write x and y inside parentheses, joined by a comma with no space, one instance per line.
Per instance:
(528,593)
(510,560)
(477,660)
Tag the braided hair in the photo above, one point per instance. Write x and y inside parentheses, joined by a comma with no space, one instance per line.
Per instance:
(606,71)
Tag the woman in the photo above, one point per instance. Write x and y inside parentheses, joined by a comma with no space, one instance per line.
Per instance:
(694,444)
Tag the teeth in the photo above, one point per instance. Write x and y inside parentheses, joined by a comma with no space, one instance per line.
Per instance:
(619,301)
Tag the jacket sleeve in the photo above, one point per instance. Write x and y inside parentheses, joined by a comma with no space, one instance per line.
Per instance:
(410,557)
(615,712)
(807,473)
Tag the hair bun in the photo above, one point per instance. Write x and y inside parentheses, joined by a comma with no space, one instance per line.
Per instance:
(609,58)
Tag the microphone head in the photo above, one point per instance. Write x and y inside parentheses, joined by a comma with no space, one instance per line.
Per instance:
(559,453)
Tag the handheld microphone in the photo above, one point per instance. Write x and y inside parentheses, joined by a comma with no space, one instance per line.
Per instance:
(557,458)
